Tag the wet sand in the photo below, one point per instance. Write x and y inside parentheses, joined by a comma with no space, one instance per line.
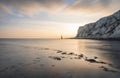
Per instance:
(24,61)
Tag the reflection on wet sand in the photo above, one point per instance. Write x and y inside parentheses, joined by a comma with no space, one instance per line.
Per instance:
(47,62)
(107,49)
(85,59)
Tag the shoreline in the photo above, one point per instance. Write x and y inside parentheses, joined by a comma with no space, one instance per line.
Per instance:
(106,39)
(102,39)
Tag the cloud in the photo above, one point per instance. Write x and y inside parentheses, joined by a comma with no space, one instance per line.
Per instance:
(5,8)
(94,6)
(32,7)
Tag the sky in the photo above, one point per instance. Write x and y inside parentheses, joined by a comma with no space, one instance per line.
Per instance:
(50,18)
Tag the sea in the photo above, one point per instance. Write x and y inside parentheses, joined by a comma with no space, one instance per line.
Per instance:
(59,58)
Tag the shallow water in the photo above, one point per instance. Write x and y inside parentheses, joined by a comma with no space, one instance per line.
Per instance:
(54,58)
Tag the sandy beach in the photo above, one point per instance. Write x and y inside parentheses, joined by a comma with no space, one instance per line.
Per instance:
(68,58)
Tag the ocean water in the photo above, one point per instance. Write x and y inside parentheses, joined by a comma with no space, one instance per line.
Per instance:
(55,58)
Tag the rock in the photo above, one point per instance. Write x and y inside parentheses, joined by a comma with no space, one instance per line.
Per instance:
(55,58)
(71,53)
(64,53)
(81,55)
(104,68)
(95,57)
(109,70)
(91,60)
(94,61)
(105,28)
(53,65)
(59,51)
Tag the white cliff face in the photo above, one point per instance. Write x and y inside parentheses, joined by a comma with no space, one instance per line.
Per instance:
(107,27)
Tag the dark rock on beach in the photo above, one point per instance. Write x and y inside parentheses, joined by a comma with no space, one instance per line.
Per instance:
(108,70)
(55,58)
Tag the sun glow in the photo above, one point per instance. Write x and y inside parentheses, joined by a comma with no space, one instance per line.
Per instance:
(71,30)
(50,19)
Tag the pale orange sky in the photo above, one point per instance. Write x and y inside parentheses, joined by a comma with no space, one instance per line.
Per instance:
(50,18)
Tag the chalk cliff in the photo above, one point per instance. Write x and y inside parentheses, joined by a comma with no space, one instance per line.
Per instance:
(104,28)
